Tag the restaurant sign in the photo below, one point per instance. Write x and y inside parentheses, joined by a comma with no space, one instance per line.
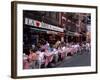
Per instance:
(36,23)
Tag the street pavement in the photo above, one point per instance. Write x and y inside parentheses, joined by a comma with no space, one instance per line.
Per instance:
(83,59)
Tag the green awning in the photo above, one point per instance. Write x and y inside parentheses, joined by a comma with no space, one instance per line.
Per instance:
(69,33)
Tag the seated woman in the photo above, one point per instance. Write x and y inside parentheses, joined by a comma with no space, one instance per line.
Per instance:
(25,62)
(48,57)
(32,58)
(61,52)
(41,58)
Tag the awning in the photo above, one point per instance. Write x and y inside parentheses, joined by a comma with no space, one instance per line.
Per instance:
(43,30)
(52,32)
(69,33)
(38,30)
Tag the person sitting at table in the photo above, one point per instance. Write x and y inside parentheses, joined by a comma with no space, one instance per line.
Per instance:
(25,61)
(88,47)
(60,52)
(48,57)
(41,57)
(55,52)
(32,58)
(56,45)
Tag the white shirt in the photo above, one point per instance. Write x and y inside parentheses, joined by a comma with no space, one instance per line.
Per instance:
(40,55)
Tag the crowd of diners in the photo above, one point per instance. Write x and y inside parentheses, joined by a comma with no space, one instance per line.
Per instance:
(46,55)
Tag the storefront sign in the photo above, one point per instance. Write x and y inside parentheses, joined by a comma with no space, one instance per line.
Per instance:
(57,28)
(29,21)
(36,23)
(51,27)
(52,32)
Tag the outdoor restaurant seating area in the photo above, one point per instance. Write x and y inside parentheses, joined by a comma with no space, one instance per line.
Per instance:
(46,56)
